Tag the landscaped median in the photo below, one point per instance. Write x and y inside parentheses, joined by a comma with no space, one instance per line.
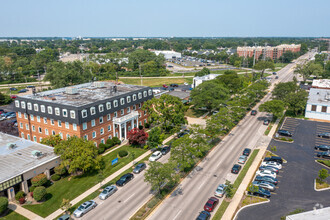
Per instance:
(73,186)
(237,183)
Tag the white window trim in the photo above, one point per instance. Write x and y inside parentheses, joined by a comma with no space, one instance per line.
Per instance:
(108,104)
(17,104)
(82,113)
(93,123)
(115,103)
(74,126)
(50,110)
(57,111)
(65,113)
(101,108)
(92,110)
(128,99)
(72,113)
(29,106)
(85,123)
(134,97)
(23,104)
(42,108)
(122,101)
(35,107)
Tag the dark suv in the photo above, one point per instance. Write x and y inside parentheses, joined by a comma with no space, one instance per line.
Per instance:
(276,159)
(246,151)
(253,112)
(236,168)
(284,133)
(124,179)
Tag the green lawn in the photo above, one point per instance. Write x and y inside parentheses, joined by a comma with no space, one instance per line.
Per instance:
(325,162)
(279,66)
(13,216)
(238,181)
(194,113)
(79,184)
(7,91)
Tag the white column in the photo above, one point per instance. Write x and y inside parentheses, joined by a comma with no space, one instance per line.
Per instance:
(119,131)
(47,173)
(132,123)
(125,130)
(24,187)
(137,121)
(114,129)
(11,194)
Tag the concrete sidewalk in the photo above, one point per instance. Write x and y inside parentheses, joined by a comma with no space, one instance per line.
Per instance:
(24,212)
(97,186)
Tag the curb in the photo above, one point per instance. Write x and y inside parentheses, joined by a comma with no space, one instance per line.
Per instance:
(318,190)
(322,164)
(254,204)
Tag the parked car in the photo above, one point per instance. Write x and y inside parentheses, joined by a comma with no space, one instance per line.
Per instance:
(221,190)
(267,179)
(242,159)
(266,185)
(284,133)
(108,191)
(211,204)
(185,84)
(254,112)
(13,89)
(84,208)
(276,77)
(23,90)
(324,135)
(266,173)
(203,215)
(236,168)
(275,159)
(11,116)
(273,169)
(325,155)
(138,168)
(13,96)
(262,192)
(246,151)
(2,111)
(322,147)
(65,217)
(272,163)
(266,122)
(155,156)
(30,86)
(165,86)
(174,85)
(124,179)
(274,73)
(165,150)
(183,133)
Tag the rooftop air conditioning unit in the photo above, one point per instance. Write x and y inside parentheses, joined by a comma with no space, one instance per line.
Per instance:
(36,153)
(11,146)
(71,90)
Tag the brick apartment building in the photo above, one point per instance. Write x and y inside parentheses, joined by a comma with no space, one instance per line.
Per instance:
(94,111)
(270,52)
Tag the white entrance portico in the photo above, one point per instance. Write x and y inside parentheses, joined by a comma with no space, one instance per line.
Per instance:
(122,124)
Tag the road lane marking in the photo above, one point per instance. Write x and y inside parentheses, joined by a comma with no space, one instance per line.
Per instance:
(219,163)
(177,215)
(129,198)
(201,184)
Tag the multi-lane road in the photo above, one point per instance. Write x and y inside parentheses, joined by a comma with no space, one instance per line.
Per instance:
(188,200)
(215,169)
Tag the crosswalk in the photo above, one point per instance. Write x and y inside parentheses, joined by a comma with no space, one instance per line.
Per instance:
(321,128)
(290,124)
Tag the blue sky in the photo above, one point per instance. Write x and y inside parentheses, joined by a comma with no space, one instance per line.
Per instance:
(179,18)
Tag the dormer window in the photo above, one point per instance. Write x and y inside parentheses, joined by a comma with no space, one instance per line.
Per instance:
(84,113)
(122,101)
(101,108)
(93,111)
(140,95)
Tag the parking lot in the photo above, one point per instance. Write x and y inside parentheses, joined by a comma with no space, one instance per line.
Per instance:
(296,182)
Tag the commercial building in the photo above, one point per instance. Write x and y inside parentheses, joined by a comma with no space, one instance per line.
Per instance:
(318,104)
(168,54)
(317,214)
(321,83)
(200,79)
(267,51)
(95,111)
(20,161)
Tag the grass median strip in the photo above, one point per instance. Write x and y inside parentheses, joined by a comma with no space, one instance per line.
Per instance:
(238,181)
(72,186)
(12,215)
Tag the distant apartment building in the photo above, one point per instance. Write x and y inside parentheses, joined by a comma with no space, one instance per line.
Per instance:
(267,51)
(94,111)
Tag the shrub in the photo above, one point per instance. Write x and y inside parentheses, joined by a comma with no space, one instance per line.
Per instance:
(147,125)
(140,127)
(107,146)
(60,170)
(123,153)
(19,195)
(55,177)
(32,188)
(22,200)
(39,193)
(102,145)
(3,204)
(110,143)
(39,180)
(116,140)
(101,150)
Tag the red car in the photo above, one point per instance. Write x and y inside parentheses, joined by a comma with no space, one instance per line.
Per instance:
(211,204)
(13,96)
(165,86)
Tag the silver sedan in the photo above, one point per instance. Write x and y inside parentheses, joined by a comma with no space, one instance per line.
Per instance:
(108,191)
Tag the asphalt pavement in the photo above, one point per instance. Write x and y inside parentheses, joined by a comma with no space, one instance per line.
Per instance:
(296,181)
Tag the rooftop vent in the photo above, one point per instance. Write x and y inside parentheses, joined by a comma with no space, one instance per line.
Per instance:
(71,90)
(36,153)
(327,97)
(11,146)
(99,84)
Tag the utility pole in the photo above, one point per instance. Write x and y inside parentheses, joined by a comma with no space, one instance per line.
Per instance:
(254,54)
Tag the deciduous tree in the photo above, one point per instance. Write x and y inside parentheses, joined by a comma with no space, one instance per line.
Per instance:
(275,107)
(262,65)
(137,136)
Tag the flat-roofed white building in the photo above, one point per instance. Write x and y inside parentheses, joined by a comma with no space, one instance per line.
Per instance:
(321,83)
(197,80)
(20,161)
(318,104)
(168,54)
